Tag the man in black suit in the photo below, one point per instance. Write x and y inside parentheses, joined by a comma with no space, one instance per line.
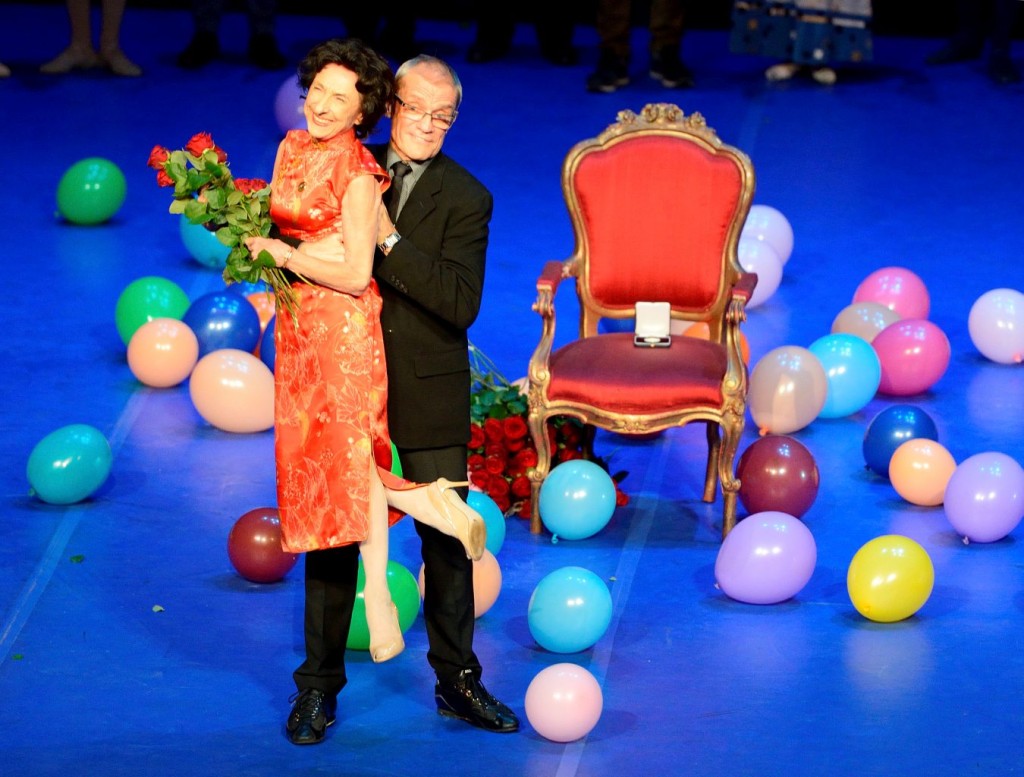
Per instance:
(430,269)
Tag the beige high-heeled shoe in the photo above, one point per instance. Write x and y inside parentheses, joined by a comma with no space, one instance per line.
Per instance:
(383,648)
(456,518)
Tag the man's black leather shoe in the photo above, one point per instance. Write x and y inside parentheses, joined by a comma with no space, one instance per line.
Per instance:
(466,698)
(311,714)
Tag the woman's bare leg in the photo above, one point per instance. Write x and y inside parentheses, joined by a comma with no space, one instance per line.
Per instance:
(381,614)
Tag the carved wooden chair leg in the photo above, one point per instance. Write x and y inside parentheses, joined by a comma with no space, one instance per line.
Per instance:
(714,451)
(539,433)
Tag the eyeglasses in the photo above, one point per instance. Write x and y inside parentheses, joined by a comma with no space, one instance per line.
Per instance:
(441,119)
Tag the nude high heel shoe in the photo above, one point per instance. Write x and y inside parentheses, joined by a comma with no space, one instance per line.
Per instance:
(386,641)
(455,518)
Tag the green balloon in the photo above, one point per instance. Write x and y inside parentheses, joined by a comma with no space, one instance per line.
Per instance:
(396,463)
(69,464)
(145,299)
(405,593)
(91,191)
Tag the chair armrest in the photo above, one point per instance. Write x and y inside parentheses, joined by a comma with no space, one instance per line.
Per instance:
(744,287)
(547,286)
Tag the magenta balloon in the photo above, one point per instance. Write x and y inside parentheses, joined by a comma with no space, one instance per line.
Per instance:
(768,558)
(898,289)
(984,499)
(914,354)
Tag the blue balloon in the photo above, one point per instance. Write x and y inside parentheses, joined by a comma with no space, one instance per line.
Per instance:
(890,429)
(494,519)
(69,464)
(853,372)
(203,245)
(577,499)
(268,350)
(245,288)
(612,325)
(223,319)
(569,610)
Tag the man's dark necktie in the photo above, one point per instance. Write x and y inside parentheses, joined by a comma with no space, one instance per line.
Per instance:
(399,170)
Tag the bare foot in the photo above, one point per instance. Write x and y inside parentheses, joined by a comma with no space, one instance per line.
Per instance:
(824,75)
(119,64)
(781,72)
(4,70)
(72,58)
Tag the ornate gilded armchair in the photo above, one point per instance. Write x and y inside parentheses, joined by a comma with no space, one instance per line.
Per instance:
(657,203)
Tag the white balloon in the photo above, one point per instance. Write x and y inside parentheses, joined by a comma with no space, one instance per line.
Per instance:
(996,324)
(768,225)
(759,257)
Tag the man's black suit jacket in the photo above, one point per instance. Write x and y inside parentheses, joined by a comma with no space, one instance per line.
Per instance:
(431,283)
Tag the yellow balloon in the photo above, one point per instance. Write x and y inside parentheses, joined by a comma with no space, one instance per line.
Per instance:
(919,470)
(890,578)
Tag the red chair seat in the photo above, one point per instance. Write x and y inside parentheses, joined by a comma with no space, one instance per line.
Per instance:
(609,371)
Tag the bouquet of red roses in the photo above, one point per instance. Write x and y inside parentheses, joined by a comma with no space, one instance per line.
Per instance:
(207,193)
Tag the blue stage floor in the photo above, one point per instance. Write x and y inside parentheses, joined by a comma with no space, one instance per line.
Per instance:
(898,164)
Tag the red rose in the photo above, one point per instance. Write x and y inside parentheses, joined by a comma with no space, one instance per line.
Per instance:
(157,157)
(494,430)
(567,454)
(514,446)
(621,498)
(521,486)
(475,462)
(503,502)
(570,435)
(476,436)
(494,464)
(525,510)
(495,449)
(163,179)
(250,185)
(480,479)
(222,155)
(497,486)
(515,427)
(199,143)
(526,458)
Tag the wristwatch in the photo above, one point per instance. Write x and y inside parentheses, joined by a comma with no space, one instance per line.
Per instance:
(388,243)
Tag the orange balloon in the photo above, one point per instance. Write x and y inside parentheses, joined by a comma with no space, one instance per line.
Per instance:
(486,583)
(233,391)
(919,470)
(265,306)
(703,331)
(864,319)
(162,352)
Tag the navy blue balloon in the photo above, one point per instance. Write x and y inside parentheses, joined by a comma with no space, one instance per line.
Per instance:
(890,429)
(268,351)
(223,319)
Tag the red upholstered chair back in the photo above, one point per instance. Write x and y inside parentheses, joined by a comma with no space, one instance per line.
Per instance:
(654,214)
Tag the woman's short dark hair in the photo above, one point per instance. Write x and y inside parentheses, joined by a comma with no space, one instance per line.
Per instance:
(375,81)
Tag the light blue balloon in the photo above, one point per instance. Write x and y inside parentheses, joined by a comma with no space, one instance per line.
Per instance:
(853,372)
(577,500)
(494,519)
(569,610)
(69,464)
(203,245)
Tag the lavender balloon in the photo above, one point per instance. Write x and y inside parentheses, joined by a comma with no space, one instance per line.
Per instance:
(984,498)
(769,557)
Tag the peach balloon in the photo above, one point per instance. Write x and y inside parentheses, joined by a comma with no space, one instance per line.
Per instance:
(486,583)
(233,391)
(162,352)
(787,390)
(864,319)
(703,331)
(898,289)
(919,470)
(265,306)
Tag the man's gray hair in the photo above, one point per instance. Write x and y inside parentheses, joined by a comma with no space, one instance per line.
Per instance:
(440,64)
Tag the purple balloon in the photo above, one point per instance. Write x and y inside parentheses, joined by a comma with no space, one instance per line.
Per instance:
(288,105)
(769,557)
(984,498)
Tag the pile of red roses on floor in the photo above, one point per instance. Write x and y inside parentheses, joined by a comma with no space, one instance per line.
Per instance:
(501,450)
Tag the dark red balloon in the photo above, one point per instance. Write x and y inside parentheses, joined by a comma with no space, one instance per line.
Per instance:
(777,472)
(254,547)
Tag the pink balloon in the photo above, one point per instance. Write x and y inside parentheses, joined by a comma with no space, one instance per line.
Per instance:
(288,106)
(768,558)
(233,391)
(162,352)
(898,289)
(787,390)
(760,258)
(864,319)
(996,325)
(914,354)
(564,702)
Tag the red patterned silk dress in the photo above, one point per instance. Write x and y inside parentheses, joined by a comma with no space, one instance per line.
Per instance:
(330,402)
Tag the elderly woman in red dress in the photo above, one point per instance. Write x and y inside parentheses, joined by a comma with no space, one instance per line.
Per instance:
(331,441)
